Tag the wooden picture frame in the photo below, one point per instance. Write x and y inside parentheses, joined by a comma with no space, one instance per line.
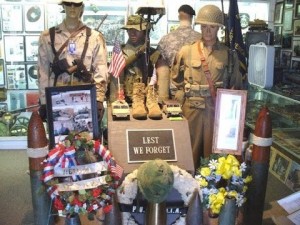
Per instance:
(280,165)
(71,109)
(229,121)
(278,12)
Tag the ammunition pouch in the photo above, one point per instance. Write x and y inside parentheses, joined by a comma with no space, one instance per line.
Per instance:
(82,73)
(59,67)
(196,102)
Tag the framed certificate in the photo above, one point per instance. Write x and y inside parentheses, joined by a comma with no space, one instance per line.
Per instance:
(12,18)
(14,48)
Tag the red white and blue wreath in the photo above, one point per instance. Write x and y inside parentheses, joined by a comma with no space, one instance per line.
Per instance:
(81,176)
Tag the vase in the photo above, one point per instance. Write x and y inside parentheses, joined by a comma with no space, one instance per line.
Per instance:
(72,220)
(228,212)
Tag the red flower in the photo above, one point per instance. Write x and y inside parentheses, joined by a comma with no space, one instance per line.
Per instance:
(96,192)
(90,208)
(58,204)
(107,208)
(77,202)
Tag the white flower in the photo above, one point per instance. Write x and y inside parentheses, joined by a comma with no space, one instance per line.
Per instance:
(243,167)
(240,200)
(213,164)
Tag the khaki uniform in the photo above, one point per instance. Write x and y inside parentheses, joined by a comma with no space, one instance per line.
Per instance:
(95,59)
(136,72)
(198,106)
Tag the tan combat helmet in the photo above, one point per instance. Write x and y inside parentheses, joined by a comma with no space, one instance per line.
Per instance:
(210,15)
(135,22)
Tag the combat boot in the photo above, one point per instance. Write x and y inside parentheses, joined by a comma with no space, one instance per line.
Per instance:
(154,111)
(138,101)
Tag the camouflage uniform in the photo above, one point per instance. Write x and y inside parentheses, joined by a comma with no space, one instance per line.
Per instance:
(95,59)
(199,109)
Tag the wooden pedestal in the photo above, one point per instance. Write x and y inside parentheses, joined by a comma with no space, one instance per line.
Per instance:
(118,141)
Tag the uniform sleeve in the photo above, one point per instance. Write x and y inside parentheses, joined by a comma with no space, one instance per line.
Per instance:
(177,70)
(99,64)
(43,67)
(236,77)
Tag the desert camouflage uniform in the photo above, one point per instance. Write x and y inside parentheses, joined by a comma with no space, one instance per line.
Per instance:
(199,109)
(95,59)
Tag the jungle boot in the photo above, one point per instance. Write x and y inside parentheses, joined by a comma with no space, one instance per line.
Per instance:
(138,101)
(154,111)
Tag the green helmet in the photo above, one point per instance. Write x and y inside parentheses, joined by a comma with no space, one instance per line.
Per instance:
(155,180)
(210,15)
(135,22)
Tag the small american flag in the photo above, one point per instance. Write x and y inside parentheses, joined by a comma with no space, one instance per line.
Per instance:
(118,61)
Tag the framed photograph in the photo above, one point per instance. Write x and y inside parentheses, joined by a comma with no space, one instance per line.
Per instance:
(296,27)
(12,23)
(278,12)
(280,165)
(229,121)
(34,18)
(297,10)
(16,100)
(293,178)
(14,48)
(295,63)
(32,75)
(16,77)
(2,73)
(296,47)
(32,45)
(71,109)
(277,35)
(285,59)
(288,20)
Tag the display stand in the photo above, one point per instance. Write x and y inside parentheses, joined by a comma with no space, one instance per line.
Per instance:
(133,142)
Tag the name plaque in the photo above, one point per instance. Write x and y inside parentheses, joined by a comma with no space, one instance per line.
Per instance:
(149,144)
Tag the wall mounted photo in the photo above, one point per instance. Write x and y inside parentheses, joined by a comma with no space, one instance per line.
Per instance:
(71,109)
(296,47)
(14,48)
(296,27)
(16,100)
(34,18)
(16,77)
(2,73)
(32,45)
(278,12)
(297,10)
(12,23)
(32,74)
(293,178)
(285,59)
(288,20)
(229,121)
(280,165)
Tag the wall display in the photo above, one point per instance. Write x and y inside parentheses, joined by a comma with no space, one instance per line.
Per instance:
(278,12)
(172,26)
(277,35)
(71,109)
(34,18)
(295,63)
(2,73)
(54,15)
(32,73)
(16,78)
(14,48)
(16,100)
(285,59)
(12,18)
(293,178)
(110,27)
(229,121)
(296,47)
(296,28)
(31,45)
(288,20)
(280,165)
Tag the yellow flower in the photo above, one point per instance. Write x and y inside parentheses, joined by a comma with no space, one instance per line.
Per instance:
(205,171)
(232,194)
(202,182)
(232,160)
(245,188)
(236,171)
(248,179)
(216,201)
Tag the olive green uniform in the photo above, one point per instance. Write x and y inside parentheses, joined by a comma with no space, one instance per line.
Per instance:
(193,91)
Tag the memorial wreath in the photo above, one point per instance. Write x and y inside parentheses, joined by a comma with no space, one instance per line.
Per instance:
(221,176)
(184,183)
(81,175)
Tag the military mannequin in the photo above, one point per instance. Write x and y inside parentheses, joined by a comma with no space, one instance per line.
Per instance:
(72,54)
(170,44)
(193,89)
(137,74)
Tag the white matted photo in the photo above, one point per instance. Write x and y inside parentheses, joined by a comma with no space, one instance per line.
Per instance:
(32,75)
(34,18)
(16,77)
(32,45)
(12,23)
(14,48)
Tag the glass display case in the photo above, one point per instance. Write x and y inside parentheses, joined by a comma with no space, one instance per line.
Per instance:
(284,109)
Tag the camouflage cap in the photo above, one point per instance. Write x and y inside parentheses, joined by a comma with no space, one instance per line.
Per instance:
(155,180)
(135,22)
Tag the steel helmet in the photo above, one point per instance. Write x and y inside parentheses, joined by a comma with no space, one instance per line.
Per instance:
(210,15)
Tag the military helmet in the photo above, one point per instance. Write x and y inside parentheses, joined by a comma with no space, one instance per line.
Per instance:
(135,22)
(155,180)
(210,15)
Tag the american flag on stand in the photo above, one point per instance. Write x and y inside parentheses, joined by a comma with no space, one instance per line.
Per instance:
(117,63)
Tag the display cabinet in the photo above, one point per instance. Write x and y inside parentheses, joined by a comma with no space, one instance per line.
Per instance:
(284,109)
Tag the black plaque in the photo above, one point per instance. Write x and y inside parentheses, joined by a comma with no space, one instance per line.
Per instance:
(149,144)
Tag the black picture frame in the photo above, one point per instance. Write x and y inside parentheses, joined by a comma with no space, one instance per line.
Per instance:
(278,12)
(71,109)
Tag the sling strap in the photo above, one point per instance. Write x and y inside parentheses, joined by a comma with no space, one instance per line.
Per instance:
(207,74)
